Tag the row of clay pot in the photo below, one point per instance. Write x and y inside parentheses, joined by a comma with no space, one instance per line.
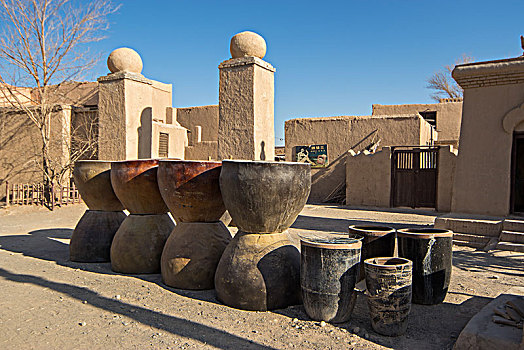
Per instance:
(429,249)
(259,269)
(331,268)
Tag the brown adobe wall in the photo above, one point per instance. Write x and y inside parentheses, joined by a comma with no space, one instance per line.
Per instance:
(20,146)
(344,133)
(19,150)
(368,179)
(22,94)
(449,115)
(75,93)
(205,116)
(447,161)
(482,183)
(205,150)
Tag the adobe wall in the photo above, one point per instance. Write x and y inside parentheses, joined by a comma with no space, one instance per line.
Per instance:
(68,93)
(264,113)
(482,181)
(138,99)
(447,160)
(21,146)
(177,140)
(75,93)
(84,132)
(204,116)
(449,115)
(307,131)
(60,138)
(162,97)
(21,94)
(205,150)
(20,150)
(368,179)
(242,106)
(344,133)
(325,180)
(427,133)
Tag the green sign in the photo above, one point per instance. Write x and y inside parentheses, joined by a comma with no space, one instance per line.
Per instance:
(316,155)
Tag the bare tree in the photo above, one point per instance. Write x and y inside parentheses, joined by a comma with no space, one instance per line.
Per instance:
(443,84)
(44,44)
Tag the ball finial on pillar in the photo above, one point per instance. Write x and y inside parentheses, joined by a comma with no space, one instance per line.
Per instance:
(124,59)
(247,44)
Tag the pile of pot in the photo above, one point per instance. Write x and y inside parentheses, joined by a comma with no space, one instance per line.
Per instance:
(399,267)
(258,269)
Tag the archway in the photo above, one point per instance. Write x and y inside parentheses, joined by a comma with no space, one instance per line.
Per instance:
(513,122)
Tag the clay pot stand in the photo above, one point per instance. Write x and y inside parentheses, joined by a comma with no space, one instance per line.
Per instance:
(191,254)
(94,232)
(138,243)
(260,268)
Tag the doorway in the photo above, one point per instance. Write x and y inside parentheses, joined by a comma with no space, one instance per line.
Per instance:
(517,174)
(414,173)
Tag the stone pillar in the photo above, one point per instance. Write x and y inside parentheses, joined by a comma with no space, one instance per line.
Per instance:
(246,101)
(133,110)
(118,131)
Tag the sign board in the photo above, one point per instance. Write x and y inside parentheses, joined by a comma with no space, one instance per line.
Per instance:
(316,155)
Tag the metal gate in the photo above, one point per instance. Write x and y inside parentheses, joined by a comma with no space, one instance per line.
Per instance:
(414,177)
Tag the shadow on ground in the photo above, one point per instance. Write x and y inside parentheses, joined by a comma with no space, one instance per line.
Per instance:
(174,325)
(47,245)
(486,261)
(424,323)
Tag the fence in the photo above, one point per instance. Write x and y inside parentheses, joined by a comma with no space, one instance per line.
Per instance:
(29,194)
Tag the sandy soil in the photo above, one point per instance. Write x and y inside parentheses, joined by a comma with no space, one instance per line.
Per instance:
(48,302)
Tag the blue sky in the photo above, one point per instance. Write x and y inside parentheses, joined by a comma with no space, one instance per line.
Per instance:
(332,57)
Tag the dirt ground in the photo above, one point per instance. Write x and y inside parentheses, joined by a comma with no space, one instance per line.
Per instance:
(48,302)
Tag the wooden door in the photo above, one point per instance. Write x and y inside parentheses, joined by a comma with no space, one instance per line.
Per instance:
(414,177)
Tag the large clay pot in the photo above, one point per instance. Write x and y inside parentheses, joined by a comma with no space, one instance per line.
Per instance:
(264,197)
(328,273)
(93,234)
(260,268)
(388,284)
(377,241)
(138,243)
(93,180)
(135,184)
(192,192)
(431,251)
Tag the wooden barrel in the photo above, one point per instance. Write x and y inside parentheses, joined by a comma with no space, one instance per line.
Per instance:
(328,273)
(377,241)
(431,252)
(388,283)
